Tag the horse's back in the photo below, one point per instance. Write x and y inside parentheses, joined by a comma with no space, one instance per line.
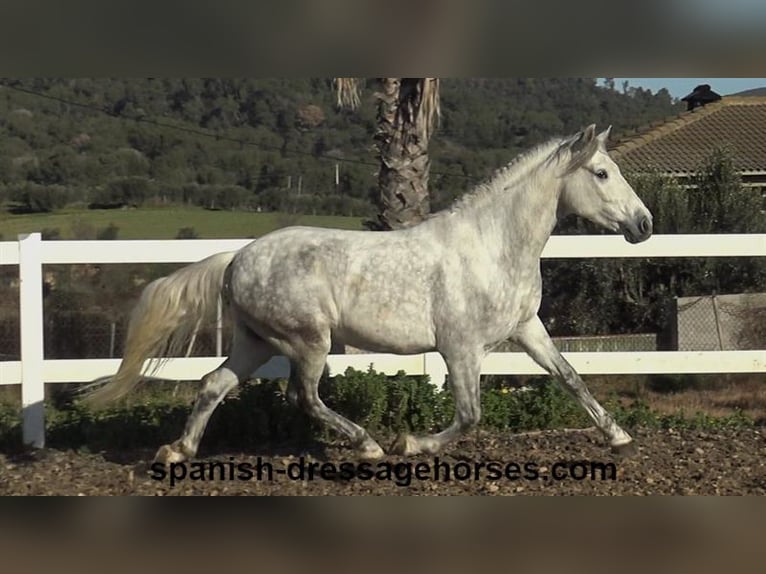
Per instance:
(337,252)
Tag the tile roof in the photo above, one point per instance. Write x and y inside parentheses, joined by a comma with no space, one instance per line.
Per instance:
(680,145)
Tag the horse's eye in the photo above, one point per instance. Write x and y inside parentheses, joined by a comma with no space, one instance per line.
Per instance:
(601,174)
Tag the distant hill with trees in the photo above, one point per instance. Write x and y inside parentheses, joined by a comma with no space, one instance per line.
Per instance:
(270,144)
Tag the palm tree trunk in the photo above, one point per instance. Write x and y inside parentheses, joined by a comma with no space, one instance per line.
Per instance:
(407,111)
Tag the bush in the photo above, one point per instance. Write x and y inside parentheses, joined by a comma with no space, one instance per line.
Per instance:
(109,232)
(10,427)
(382,403)
(36,198)
(228,197)
(671,384)
(543,406)
(260,414)
(133,191)
(50,233)
(187,233)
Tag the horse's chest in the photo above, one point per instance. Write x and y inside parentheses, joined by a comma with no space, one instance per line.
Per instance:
(511,305)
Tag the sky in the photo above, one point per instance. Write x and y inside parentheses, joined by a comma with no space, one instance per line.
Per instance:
(679,87)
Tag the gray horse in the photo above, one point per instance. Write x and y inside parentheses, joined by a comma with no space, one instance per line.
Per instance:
(458,283)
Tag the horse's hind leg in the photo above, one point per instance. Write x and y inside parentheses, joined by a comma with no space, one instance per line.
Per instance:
(536,341)
(306,367)
(464,370)
(248,353)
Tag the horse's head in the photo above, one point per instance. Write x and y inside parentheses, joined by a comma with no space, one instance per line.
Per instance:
(594,188)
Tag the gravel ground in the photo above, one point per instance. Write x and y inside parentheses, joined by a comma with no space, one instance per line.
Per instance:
(668,462)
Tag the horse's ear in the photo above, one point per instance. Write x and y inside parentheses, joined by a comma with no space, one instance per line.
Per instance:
(583,138)
(582,148)
(603,136)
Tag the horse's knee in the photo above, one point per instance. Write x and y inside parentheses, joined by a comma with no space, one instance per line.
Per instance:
(218,382)
(209,382)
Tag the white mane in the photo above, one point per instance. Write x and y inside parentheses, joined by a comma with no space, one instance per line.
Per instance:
(507,177)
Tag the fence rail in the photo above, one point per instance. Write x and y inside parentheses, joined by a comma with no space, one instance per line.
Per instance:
(30,253)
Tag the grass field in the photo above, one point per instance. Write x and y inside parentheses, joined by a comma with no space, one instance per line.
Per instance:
(164,222)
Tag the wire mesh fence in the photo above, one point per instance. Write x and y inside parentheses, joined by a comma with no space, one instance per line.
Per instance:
(595,344)
(86,312)
(99,336)
(10,344)
(720,322)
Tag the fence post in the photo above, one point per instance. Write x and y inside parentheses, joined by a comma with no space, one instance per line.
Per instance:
(31,331)
(219,329)
(717,323)
(112,336)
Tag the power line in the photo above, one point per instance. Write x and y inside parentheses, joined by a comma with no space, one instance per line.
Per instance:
(16,86)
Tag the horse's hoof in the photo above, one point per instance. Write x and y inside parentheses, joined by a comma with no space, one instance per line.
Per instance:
(167,454)
(405,445)
(626,450)
(371,451)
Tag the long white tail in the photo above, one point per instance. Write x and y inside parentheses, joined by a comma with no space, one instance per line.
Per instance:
(165,319)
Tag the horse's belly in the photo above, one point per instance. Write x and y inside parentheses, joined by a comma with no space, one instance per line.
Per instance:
(395,334)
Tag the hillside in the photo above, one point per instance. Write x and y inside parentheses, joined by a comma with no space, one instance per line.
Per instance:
(268,144)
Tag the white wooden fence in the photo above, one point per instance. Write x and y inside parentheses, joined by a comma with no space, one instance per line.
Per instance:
(33,371)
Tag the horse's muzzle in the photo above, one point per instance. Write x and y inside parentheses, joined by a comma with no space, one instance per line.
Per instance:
(638,230)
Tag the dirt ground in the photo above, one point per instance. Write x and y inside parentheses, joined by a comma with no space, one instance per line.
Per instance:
(668,462)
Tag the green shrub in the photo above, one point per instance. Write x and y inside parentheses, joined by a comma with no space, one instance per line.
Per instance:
(259,413)
(187,233)
(673,383)
(110,232)
(50,233)
(544,405)
(36,198)
(10,427)
(382,403)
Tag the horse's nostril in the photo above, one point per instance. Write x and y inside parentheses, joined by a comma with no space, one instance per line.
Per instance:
(645,226)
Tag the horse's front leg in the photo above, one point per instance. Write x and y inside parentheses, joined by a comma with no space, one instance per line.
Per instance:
(536,341)
(463,380)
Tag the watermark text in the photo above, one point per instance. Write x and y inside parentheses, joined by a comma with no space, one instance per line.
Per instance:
(400,473)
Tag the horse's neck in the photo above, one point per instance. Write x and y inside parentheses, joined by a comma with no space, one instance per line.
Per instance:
(510,219)
(524,217)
